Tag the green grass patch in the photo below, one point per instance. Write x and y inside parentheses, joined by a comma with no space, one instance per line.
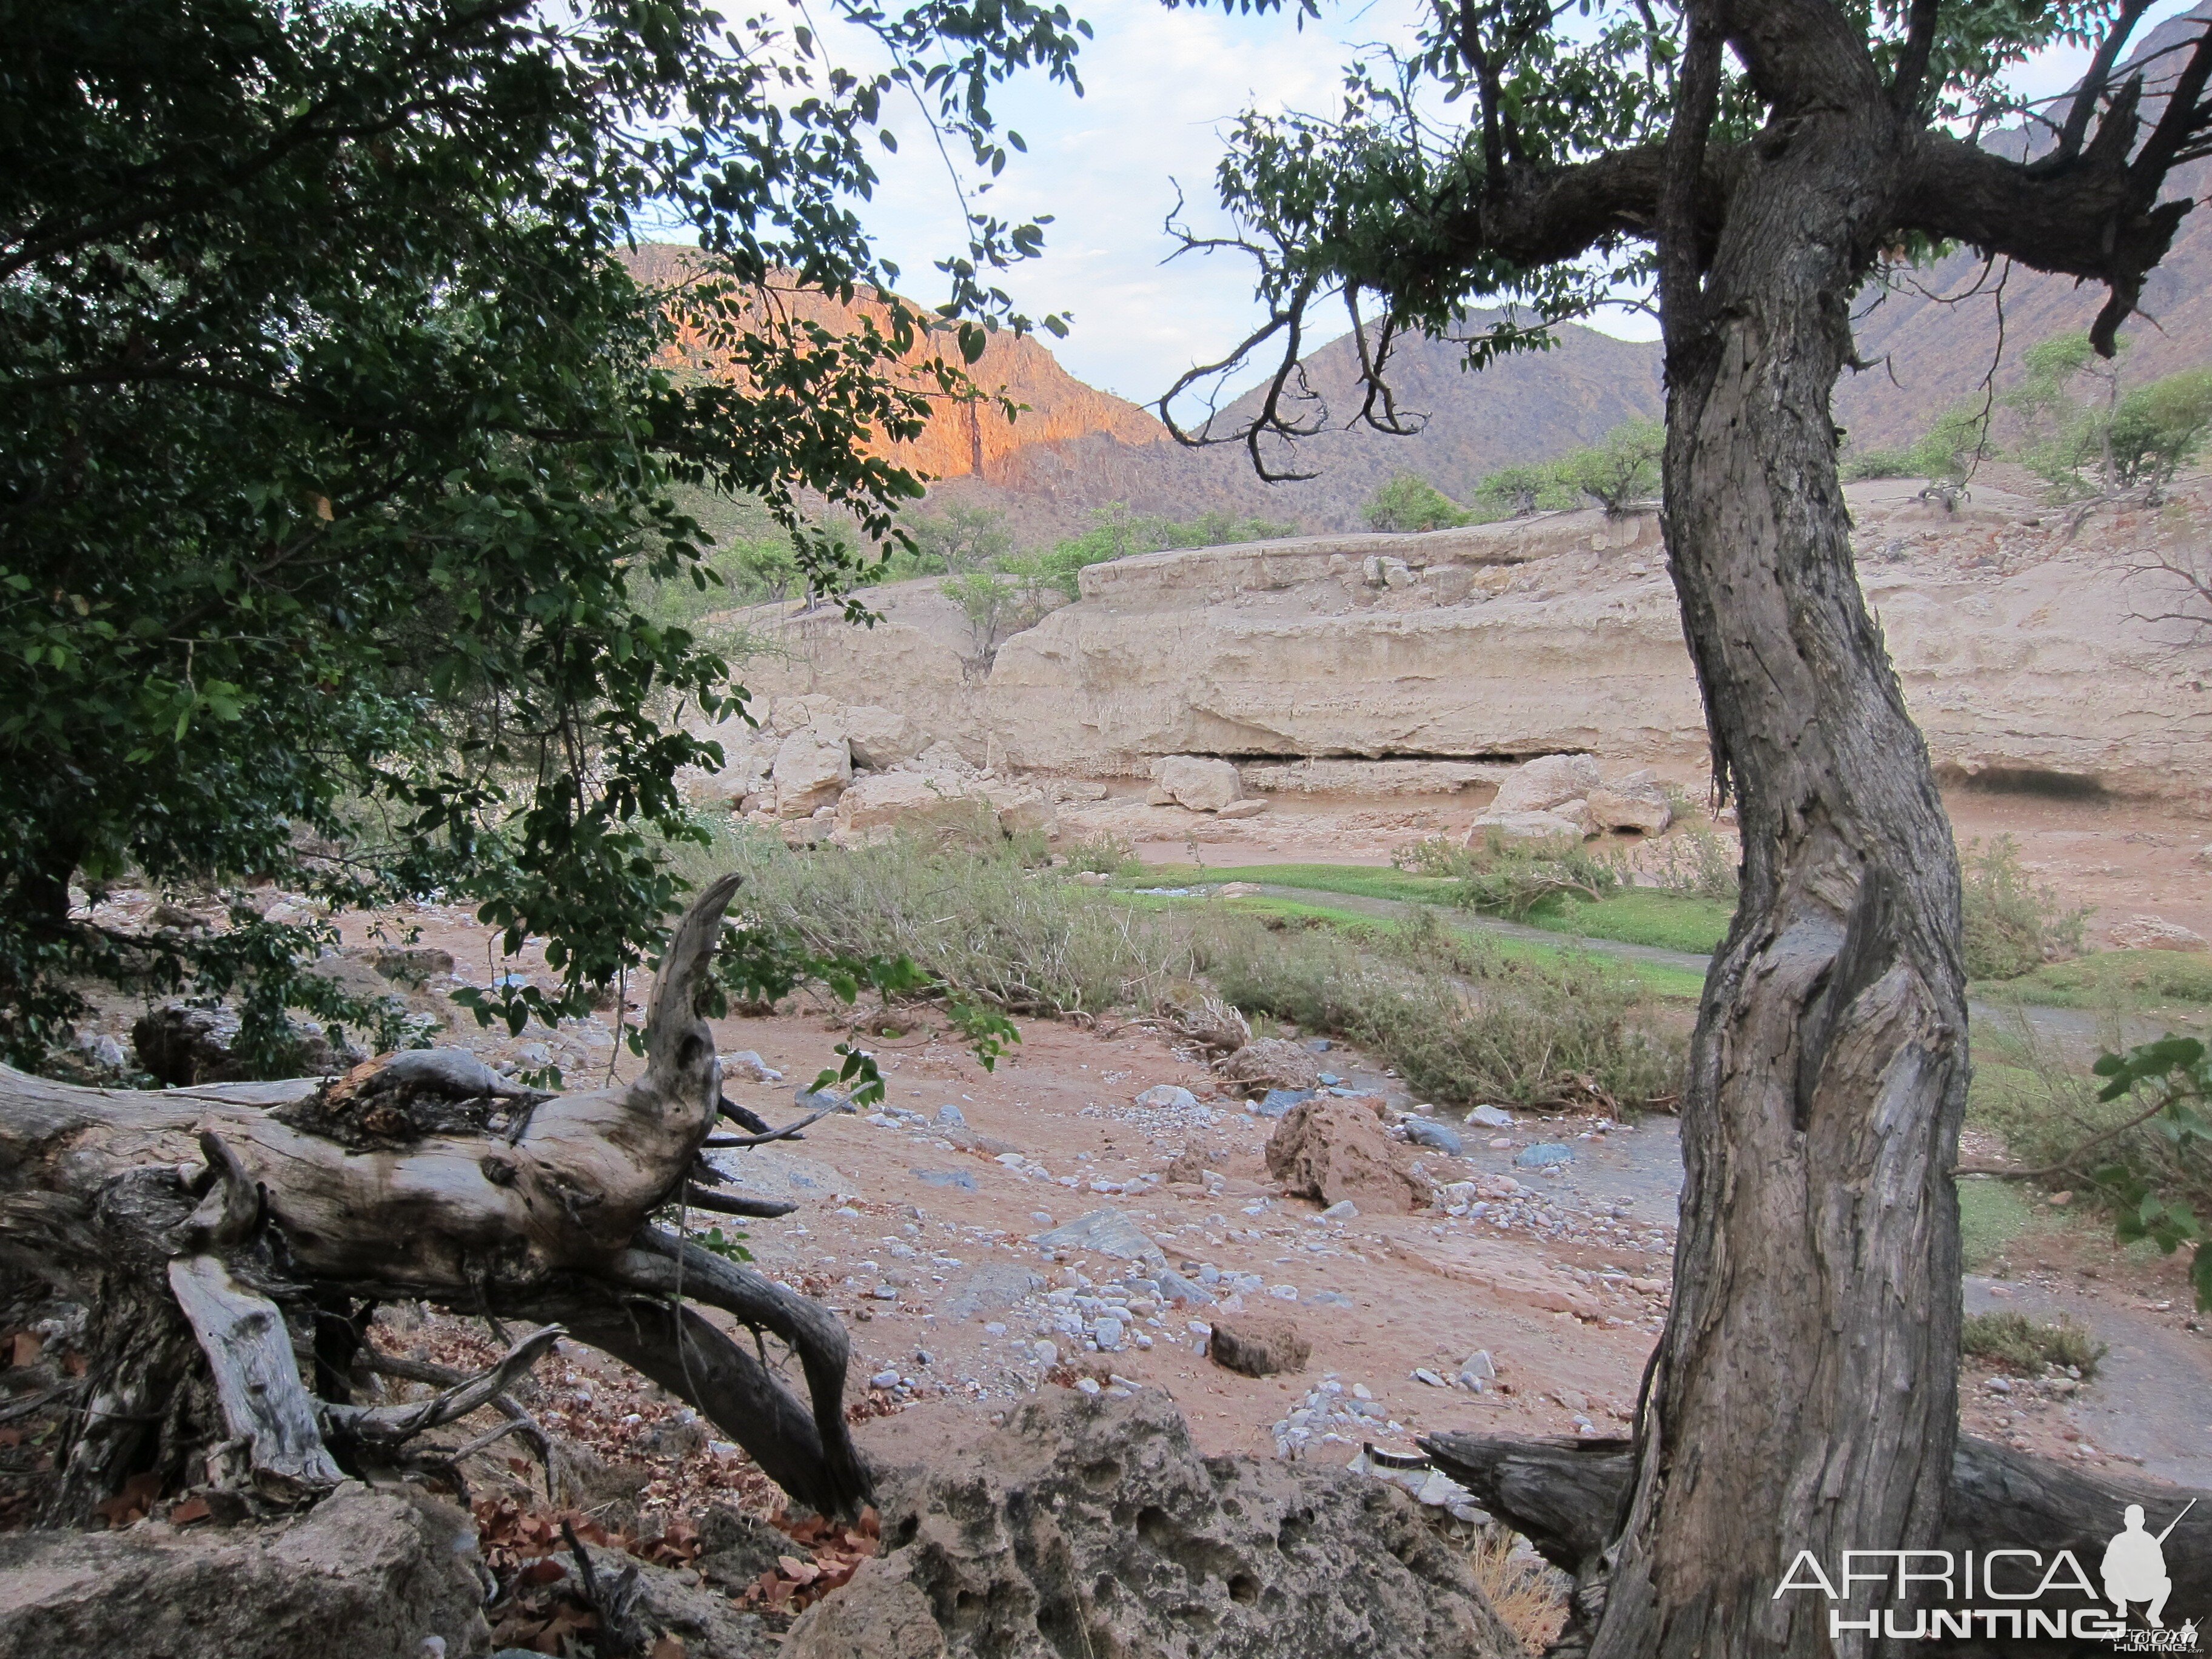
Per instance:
(1635,916)
(1992,1216)
(1655,979)
(1642,916)
(1359,881)
(2028,1345)
(2133,981)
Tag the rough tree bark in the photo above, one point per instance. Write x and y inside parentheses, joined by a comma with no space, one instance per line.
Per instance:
(210,1240)
(1801,1397)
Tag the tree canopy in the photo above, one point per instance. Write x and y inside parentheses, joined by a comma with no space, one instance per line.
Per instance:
(335,440)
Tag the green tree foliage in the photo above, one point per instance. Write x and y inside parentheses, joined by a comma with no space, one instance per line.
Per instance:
(1514,492)
(1411,503)
(335,450)
(960,538)
(2163,1168)
(1009,591)
(1620,469)
(2086,433)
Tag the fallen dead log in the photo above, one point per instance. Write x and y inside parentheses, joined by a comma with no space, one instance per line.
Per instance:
(210,1231)
(1566,1497)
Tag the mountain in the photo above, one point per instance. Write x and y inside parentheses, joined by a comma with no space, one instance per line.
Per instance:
(963,439)
(1935,338)
(1523,408)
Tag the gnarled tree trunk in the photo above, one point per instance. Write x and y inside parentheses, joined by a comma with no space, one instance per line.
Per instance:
(211,1232)
(1802,1397)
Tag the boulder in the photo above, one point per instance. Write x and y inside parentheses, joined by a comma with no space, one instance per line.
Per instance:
(941,758)
(363,1575)
(1022,809)
(879,738)
(1242,809)
(2156,933)
(1096,1526)
(1530,826)
(811,770)
(183,1044)
(1328,1150)
(1199,782)
(1547,781)
(1258,1345)
(1635,802)
(1270,1063)
(912,798)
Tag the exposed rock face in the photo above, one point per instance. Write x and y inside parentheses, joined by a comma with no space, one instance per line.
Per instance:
(1271,1063)
(363,1576)
(1095,1528)
(1545,784)
(2014,643)
(1328,1150)
(1201,784)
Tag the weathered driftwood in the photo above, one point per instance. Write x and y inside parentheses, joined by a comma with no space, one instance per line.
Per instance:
(1567,1496)
(210,1240)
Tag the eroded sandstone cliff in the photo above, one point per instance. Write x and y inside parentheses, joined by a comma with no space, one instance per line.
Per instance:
(2020,643)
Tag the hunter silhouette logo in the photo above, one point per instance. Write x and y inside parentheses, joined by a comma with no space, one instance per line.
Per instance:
(2135,1565)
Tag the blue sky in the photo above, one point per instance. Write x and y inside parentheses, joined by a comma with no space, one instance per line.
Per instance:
(1161,88)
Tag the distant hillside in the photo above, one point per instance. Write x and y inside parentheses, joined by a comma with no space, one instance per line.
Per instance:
(1929,346)
(968,439)
(1930,343)
(1525,408)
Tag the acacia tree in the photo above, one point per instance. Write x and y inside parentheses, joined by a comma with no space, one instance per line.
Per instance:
(1758,160)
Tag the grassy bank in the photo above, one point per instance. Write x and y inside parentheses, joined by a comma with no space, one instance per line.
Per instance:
(1462,1018)
(1634,916)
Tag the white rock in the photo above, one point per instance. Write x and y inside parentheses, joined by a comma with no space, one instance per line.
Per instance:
(1343,1210)
(1635,802)
(1199,781)
(1491,1117)
(1547,781)
(2156,933)
(746,1064)
(879,737)
(1167,1097)
(1242,809)
(811,771)
(1529,826)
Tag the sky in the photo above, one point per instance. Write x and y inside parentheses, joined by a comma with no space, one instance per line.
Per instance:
(1161,88)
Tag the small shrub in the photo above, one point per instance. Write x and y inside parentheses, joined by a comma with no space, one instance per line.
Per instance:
(1104,854)
(2027,1344)
(1505,876)
(1862,465)
(1697,864)
(2012,926)
(1460,1020)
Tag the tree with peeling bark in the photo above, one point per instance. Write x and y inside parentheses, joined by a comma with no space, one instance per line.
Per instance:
(1758,162)
(229,1240)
